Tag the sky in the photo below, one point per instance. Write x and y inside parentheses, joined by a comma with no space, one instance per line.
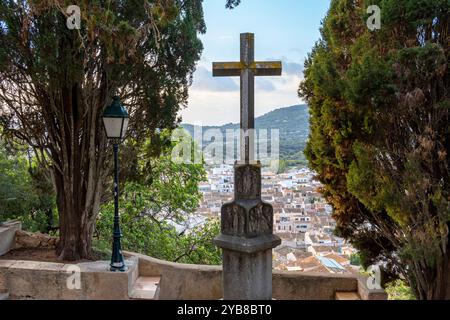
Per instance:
(284,30)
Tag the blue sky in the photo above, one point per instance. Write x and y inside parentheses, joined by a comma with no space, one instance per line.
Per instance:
(284,30)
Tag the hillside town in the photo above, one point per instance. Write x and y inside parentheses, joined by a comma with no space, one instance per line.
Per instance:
(302,219)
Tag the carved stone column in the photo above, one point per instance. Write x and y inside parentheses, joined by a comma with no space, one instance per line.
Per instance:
(247,238)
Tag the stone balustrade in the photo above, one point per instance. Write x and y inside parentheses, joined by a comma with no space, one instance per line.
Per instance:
(199,282)
(45,280)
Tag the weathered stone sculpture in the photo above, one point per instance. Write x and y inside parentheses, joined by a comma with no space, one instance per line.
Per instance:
(247,237)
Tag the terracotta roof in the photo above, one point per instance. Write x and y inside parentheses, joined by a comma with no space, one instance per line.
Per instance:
(306,263)
(298,253)
(337,258)
(318,269)
(323,249)
(302,254)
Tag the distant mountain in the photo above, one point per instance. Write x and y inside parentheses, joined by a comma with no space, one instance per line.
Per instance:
(293,123)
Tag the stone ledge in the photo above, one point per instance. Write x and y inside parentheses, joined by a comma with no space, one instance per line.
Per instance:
(181,281)
(199,282)
(8,235)
(46,280)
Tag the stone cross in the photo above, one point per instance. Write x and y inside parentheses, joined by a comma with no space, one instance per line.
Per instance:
(247,69)
(246,236)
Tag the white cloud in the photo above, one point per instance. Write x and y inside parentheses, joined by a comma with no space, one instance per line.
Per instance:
(211,108)
(292,68)
(203,80)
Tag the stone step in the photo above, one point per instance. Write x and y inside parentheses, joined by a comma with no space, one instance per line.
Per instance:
(145,288)
(347,296)
(4,295)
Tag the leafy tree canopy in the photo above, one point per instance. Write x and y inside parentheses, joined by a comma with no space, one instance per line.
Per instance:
(380,140)
(55,82)
(231,4)
(162,194)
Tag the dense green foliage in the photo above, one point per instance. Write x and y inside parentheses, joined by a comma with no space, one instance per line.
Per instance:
(398,290)
(55,82)
(145,233)
(232,3)
(380,140)
(16,194)
(160,195)
(25,194)
(355,259)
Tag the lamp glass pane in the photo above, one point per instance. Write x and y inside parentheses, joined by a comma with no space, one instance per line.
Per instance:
(113,127)
(125,126)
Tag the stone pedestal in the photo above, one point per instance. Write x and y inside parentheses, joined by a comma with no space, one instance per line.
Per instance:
(247,239)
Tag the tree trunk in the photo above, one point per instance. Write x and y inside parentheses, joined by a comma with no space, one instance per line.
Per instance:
(76,220)
(432,283)
(80,168)
(447,284)
(442,291)
(439,288)
(441,284)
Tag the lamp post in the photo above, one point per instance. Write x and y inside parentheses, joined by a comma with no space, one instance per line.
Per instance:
(115,119)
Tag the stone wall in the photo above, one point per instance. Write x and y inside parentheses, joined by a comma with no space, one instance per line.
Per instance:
(182,281)
(36,240)
(194,282)
(44,280)
(57,281)
(8,235)
(311,286)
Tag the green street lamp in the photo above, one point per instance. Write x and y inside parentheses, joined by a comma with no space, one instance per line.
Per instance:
(115,119)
